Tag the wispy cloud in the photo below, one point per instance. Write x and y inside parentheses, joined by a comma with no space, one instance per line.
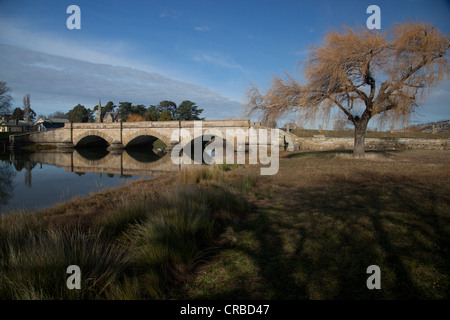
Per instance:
(440,96)
(170,14)
(202,28)
(58,84)
(15,33)
(217,59)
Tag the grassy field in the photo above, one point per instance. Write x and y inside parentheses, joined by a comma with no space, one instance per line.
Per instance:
(226,232)
(325,217)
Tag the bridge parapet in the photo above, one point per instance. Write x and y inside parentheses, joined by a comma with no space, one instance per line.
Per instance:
(120,134)
(161,124)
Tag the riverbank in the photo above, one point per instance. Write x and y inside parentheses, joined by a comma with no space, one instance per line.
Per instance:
(139,241)
(309,232)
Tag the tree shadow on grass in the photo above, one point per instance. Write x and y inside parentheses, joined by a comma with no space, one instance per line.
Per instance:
(316,243)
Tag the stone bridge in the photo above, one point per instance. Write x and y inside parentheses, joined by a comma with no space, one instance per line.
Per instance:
(121,135)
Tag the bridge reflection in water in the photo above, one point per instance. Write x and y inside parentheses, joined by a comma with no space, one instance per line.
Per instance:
(132,162)
(51,177)
(47,184)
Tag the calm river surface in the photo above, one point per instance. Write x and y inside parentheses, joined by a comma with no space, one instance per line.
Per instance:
(41,179)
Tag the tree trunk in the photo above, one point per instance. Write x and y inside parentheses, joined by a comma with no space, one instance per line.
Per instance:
(360,132)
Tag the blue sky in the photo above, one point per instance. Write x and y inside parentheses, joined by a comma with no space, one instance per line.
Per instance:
(218,47)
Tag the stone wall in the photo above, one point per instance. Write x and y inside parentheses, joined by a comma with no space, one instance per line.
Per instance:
(323,143)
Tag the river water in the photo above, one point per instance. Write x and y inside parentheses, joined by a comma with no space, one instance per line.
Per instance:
(35,180)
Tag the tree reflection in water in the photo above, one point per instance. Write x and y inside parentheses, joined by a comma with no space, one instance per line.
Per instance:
(7,173)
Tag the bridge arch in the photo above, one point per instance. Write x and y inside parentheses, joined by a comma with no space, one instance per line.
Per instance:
(207,140)
(145,136)
(290,141)
(90,138)
(141,140)
(287,140)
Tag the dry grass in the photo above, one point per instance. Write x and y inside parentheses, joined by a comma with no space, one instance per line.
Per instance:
(139,241)
(313,230)
(312,169)
(325,217)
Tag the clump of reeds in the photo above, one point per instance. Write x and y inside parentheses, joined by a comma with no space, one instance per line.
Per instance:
(204,173)
(177,233)
(35,266)
(140,250)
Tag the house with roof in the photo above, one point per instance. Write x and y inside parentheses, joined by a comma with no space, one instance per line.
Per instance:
(14,126)
(43,124)
(111,117)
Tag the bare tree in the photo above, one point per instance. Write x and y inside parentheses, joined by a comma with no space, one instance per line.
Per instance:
(5,98)
(26,107)
(362,73)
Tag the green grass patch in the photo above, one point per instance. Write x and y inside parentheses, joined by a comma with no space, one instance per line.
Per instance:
(321,248)
(324,220)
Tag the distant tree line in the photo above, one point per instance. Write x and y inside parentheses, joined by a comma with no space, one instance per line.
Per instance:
(25,113)
(164,111)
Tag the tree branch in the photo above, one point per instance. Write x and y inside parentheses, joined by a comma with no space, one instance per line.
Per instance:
(340,106)
(405,77)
